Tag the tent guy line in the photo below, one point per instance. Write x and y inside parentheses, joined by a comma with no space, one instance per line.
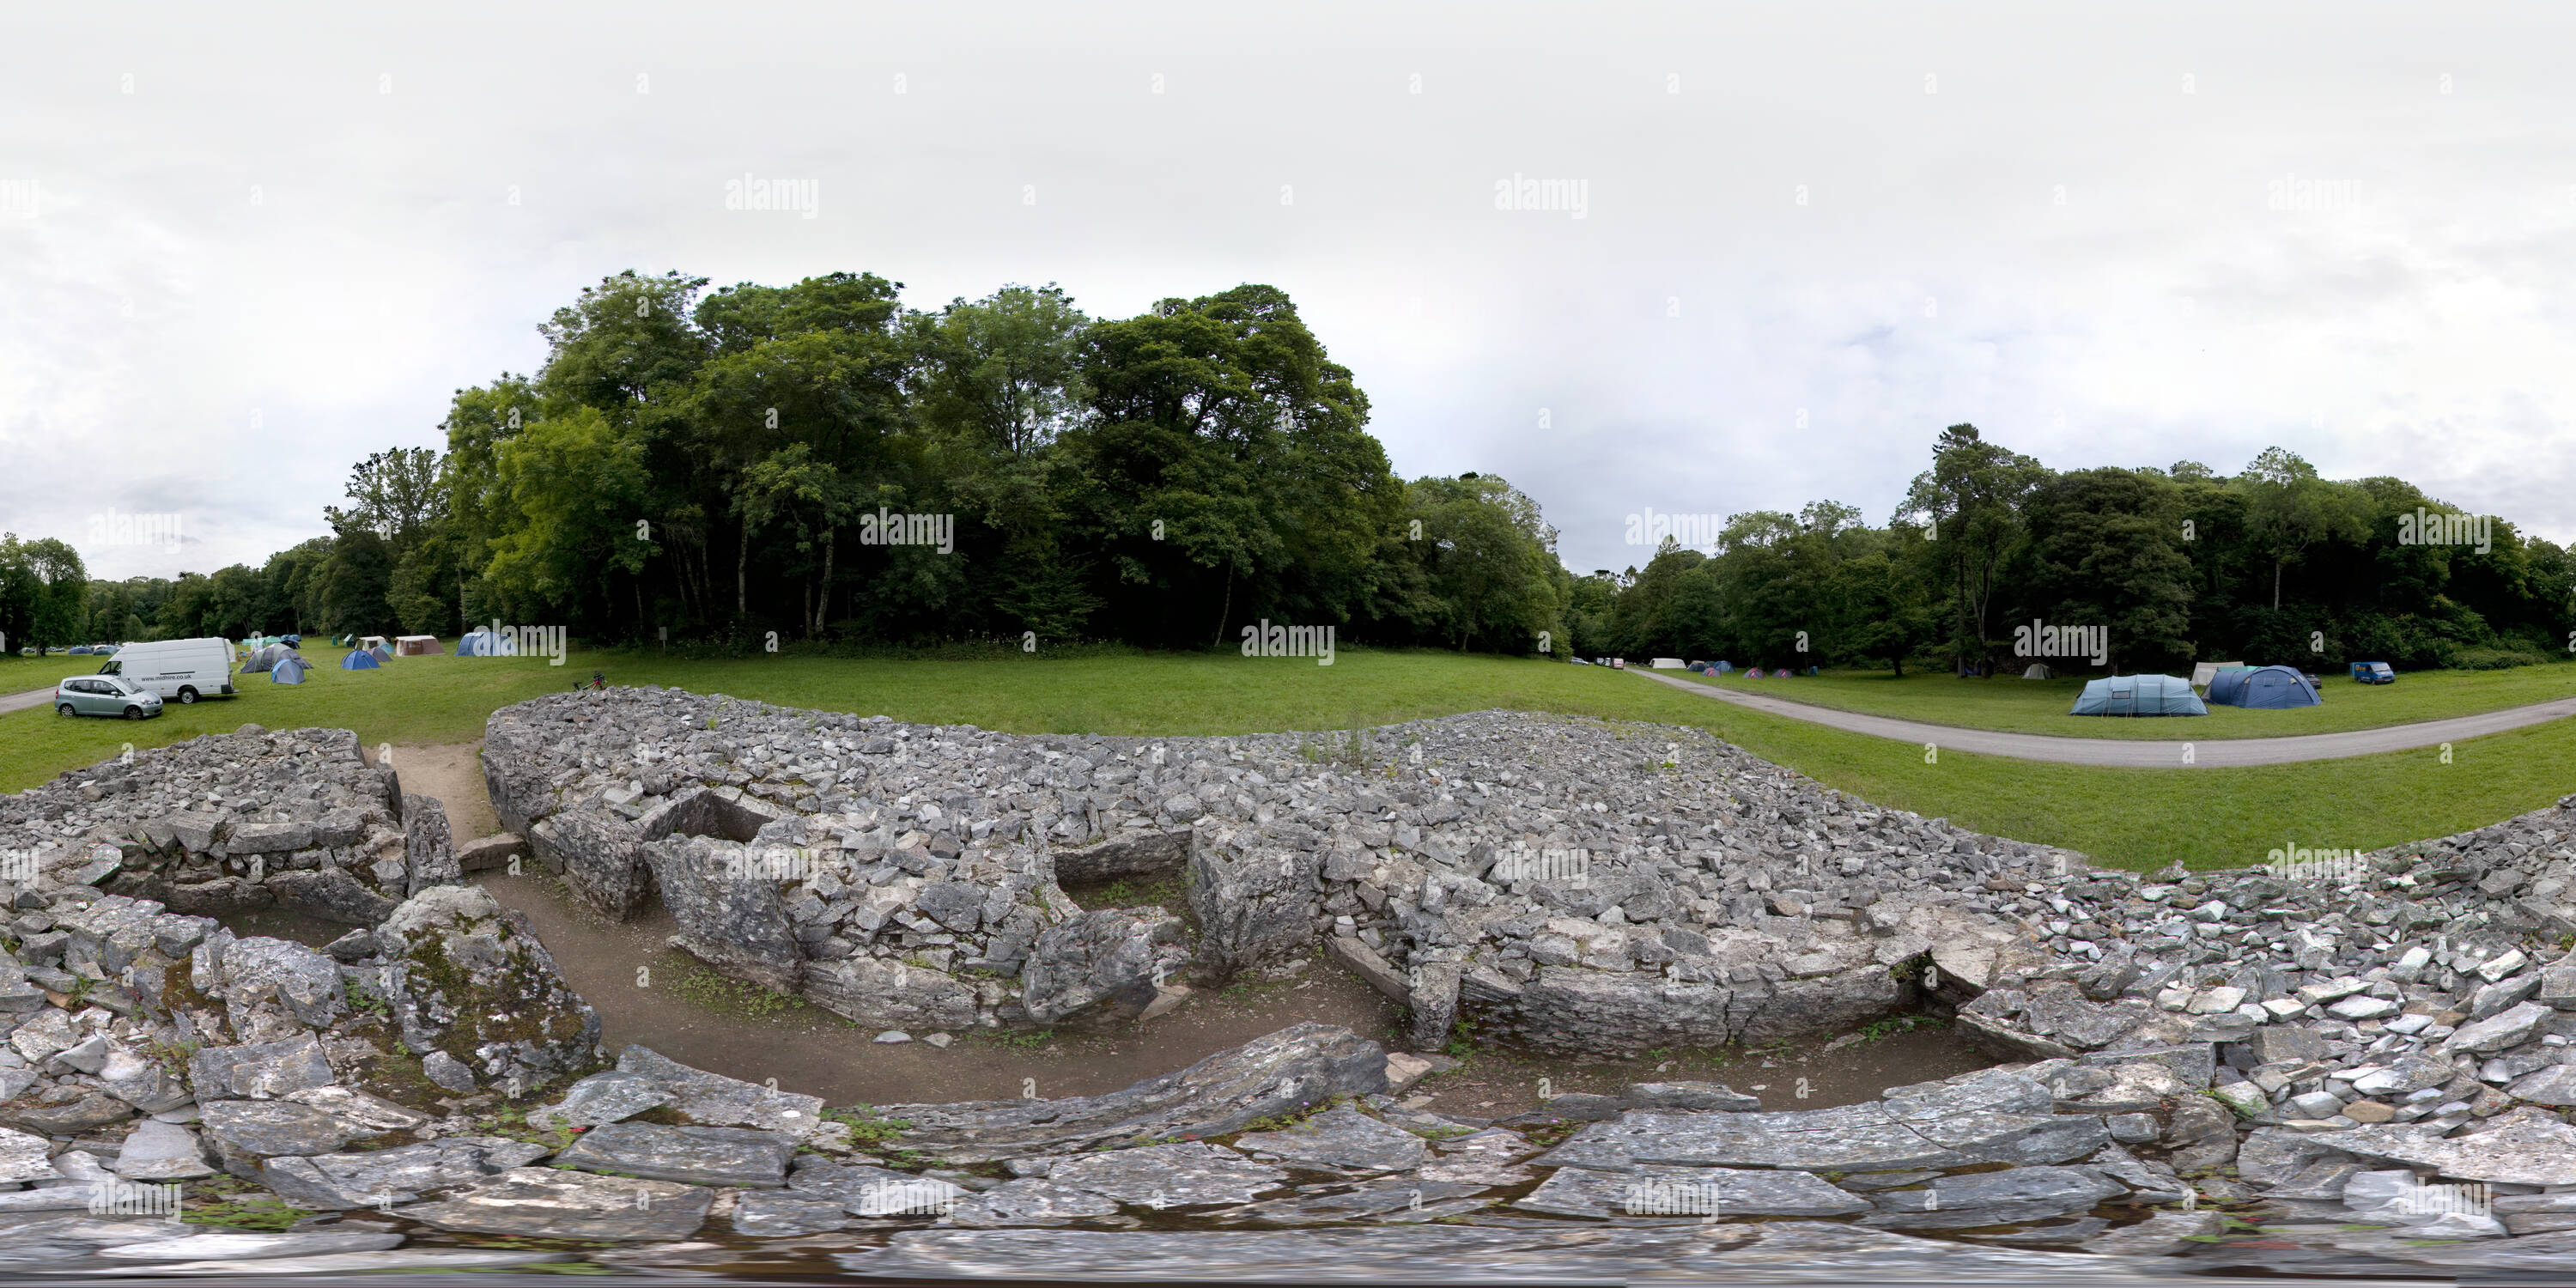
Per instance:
(2207,753)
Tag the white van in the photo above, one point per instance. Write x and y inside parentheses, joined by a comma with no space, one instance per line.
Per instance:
(179,670)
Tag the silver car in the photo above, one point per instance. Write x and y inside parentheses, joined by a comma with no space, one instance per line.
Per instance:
(105,695)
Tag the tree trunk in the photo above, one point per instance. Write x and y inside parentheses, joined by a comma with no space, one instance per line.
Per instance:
(742,574)
(1226,609)
(2276,583)
(823,604)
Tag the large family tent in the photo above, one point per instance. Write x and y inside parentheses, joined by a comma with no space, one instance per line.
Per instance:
(480,642)
(408,645)
(360,660)
(289,670)
(2139,695)
(265,658)
(2264,688)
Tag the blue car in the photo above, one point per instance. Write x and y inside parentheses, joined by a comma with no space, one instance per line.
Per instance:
(2373,673)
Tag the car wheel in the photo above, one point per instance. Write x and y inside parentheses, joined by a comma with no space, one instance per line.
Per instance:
(134,713)
(187,696)
(65,710)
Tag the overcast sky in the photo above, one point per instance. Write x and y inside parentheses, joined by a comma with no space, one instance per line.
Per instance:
(240,249)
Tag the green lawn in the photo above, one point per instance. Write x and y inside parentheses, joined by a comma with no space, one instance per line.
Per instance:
(2134,817)
(19,674)
(2041,706)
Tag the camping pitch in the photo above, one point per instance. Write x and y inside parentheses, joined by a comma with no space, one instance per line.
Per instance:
(2266,688)
(2139,695)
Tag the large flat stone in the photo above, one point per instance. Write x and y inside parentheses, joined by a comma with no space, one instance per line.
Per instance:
(603,1098)
(542,1202)
(251,1244)
(245,1131)
(259,1071)
(2525,1147)
(867,1191)
(159,1151)
(1994,1198)
(1031,1201)
(1689,1191)
(1269,1077)
(1341,1139)
(778,1214)
(1189,1174)
(738,1156)
(713,1100)
(24,1157)
(373,1178)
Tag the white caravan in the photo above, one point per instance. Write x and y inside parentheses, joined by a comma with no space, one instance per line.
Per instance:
(179,670)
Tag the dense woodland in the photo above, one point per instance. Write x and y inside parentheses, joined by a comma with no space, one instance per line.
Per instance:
(724,465)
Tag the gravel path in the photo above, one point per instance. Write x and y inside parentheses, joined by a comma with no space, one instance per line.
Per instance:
(22,701)
(2204,754)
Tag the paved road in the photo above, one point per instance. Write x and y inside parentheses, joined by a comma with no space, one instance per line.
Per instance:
(2205,754)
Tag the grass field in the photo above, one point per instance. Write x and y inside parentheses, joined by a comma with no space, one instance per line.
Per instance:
(2040,706)
(2134,817)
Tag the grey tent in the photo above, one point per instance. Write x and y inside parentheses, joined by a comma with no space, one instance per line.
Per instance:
(266,657)
(2268,688)
(289,670)
(2139,695)
(2037,671)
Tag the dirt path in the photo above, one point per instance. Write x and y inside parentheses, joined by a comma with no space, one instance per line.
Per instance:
(2213,753)
(683,1011)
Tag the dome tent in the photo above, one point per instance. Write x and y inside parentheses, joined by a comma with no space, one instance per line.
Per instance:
(289,670)
(2139,695)
(360,660)
(2265,688)
(266,657)
(2038,671)
(481,642)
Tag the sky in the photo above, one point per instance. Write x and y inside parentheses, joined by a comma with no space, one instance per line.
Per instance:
(242,249)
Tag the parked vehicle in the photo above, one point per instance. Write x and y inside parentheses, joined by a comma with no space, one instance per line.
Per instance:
(105,695)
(2373,673)
(183,670)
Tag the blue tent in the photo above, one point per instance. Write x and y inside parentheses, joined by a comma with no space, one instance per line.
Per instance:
(1723,667)
(480,642)
(360,660)
(2263,688)
(2139,695)
(289,670)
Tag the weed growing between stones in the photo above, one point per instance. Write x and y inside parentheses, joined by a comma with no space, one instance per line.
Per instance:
(703,987)
(236,1204)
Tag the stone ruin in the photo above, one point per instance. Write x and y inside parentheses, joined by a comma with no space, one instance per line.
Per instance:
(2340,1056)
(1571,883)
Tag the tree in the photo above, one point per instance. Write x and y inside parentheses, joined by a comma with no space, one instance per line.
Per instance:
(2289,509)
(1968,505)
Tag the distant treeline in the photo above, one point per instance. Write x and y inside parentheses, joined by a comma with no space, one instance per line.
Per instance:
(2273,565)
(819,462)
